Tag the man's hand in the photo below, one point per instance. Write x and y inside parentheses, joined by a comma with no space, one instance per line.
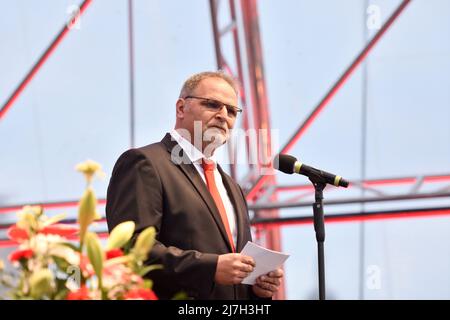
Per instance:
(232,268)
(266,285)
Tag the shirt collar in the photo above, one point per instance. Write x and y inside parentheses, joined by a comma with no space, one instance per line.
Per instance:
(190,150)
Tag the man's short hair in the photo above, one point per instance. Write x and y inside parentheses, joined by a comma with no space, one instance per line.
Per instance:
(192,82)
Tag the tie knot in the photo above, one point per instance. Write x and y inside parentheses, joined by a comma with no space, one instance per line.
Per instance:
(208,165)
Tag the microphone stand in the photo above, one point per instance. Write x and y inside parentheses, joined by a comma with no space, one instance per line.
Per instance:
(319,227)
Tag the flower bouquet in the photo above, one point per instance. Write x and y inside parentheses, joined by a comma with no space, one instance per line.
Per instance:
(56,260)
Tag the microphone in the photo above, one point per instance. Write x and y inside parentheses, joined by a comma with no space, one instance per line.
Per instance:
(289,164)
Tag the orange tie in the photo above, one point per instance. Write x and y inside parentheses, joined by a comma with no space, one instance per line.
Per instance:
(208,168)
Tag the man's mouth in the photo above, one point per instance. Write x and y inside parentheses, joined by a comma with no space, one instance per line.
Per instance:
(221,128)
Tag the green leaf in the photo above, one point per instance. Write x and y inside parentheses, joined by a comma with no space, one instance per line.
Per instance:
(120,235)
(118,260)
(54,219)
(41,284)
(61,262)
(95,253)
(70,245)
(144,243)
(61,295)
(148,284)
(147,269)
(180,296)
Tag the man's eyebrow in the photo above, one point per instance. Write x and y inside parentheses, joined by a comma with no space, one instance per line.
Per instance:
(221,101)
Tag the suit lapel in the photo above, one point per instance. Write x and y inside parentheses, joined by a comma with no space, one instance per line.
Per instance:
(191,173)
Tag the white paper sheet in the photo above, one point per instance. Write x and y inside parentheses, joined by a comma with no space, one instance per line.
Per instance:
(265,260)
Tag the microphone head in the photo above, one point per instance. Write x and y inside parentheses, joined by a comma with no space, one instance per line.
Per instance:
(285,163)
(343,183)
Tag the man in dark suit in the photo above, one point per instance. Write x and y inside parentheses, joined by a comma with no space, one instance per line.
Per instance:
(199,212)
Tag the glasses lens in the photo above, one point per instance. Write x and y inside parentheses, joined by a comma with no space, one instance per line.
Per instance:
(215,105)
(232,111)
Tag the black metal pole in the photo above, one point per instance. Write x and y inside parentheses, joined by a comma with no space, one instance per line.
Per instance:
(319,228)
(131,71)
(321,259)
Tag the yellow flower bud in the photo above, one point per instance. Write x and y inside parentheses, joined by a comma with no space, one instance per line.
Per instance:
(87,211)
(120,235)
(144,243)
(28,218)
(89,168)
(95,253)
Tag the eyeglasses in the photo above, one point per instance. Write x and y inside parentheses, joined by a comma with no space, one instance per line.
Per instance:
(217,105)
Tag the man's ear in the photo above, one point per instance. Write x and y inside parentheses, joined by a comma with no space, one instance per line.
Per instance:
(180,105)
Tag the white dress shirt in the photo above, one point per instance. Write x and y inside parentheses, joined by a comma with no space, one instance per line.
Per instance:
(196,158)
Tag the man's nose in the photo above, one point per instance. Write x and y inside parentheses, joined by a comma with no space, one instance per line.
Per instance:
(222,113)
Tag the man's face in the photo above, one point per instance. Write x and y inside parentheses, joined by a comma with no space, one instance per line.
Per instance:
(215,124)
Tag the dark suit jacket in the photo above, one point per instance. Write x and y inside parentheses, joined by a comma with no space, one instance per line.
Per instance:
(149,188)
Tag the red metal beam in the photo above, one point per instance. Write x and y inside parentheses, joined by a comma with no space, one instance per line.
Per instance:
(257,79)
(354,217)
(37,66)
(270,205)
(261,116)
(213,6)
(331,93)
(48,205)
(279,188)
(372,182)
(10,243)
(67,221)
(335,218)
(223,64)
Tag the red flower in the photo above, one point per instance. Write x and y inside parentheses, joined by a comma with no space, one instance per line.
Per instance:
(113,253)
(17,234)
(140,294)
(80,294)
(60,229)
(85,267)
(20,254)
